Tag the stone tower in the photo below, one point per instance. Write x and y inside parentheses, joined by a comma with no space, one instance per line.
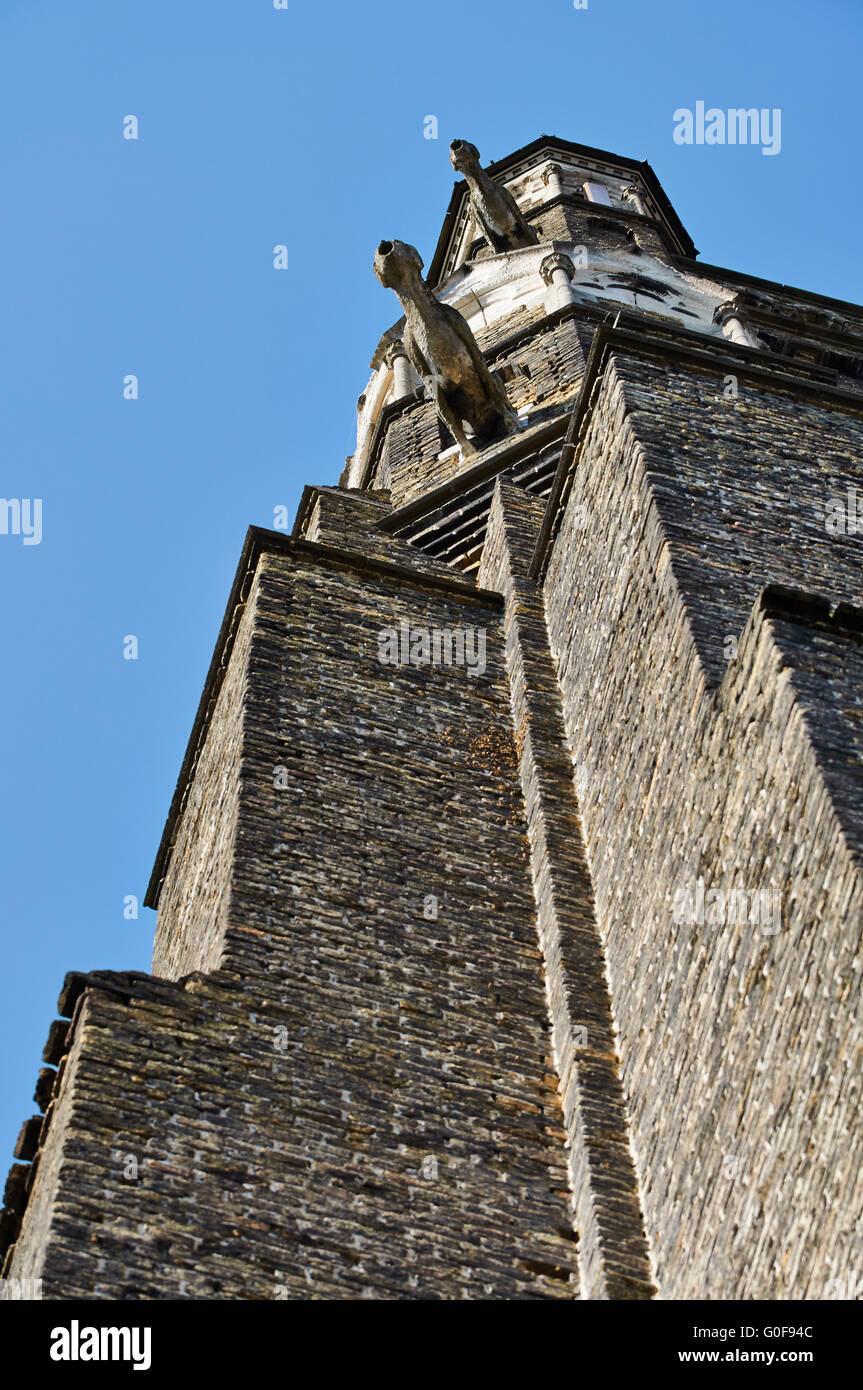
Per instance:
(509,936)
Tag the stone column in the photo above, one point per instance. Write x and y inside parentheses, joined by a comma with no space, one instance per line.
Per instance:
(632,194)
(397,360)
(557,271)
(551,179)
(728,318)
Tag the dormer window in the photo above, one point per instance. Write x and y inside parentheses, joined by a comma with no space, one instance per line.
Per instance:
(597,193)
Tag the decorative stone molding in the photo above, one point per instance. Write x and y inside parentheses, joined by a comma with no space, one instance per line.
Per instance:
(557,261)
(808,315)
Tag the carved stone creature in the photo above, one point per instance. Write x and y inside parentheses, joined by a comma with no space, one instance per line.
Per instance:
(494,209)
(444,352)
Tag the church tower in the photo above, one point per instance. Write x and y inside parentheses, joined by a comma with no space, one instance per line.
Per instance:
(510,898)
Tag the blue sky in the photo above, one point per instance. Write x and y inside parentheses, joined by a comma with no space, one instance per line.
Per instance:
(155,257)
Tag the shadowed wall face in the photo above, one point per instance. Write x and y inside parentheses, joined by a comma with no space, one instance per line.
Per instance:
(360,1100)
(381,888)
(193,902)
(727,881)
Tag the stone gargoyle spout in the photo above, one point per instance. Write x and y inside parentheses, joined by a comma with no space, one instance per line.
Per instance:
(444,352)
(494,209)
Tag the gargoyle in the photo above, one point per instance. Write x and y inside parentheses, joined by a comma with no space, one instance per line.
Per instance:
(494,209)
(444,352)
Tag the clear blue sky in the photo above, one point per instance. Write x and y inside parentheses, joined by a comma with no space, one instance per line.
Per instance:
(154,257)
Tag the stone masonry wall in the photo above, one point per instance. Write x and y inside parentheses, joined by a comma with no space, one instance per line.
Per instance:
(743,487)
(740,1039)
(613,1251)
(194,897)
(361,1101)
